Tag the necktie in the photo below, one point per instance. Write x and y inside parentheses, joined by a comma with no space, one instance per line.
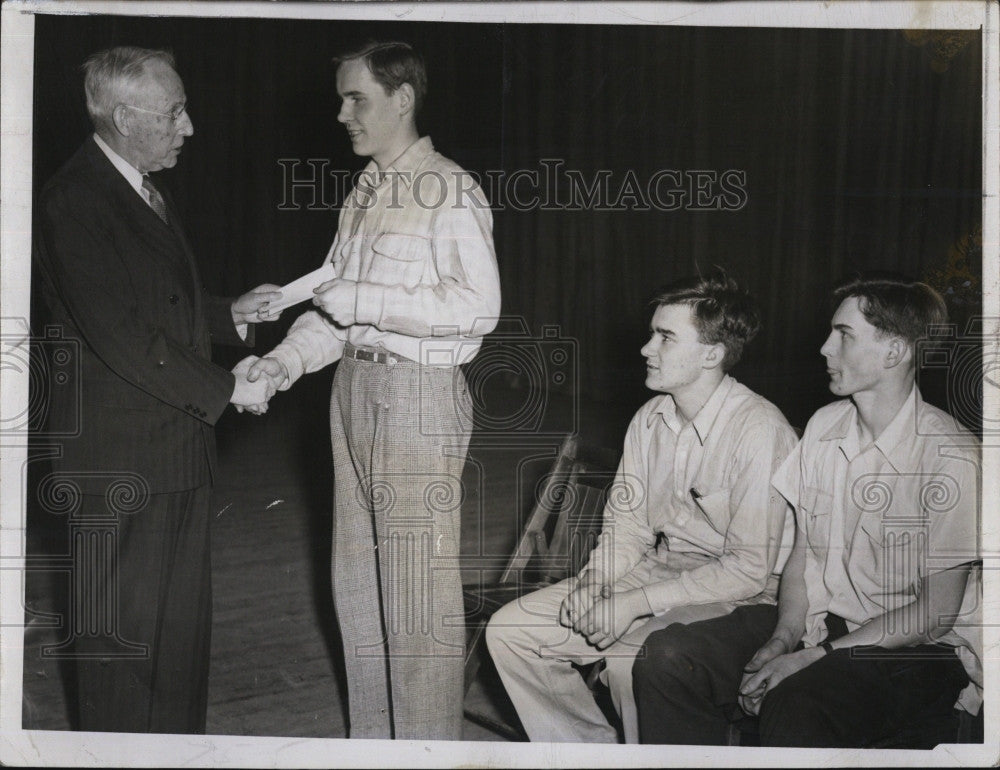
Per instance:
(155,199)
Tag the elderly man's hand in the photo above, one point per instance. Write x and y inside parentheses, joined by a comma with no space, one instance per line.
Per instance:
(337,299)
(257,380)
(252,306)
(251,395)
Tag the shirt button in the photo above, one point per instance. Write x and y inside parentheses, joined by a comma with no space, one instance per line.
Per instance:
(174,299)
(161,363)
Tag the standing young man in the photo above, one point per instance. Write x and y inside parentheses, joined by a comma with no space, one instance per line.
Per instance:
(886,494)
(699,536)
(417,287)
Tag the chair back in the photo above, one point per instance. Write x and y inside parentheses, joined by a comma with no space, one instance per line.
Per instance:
(567,517)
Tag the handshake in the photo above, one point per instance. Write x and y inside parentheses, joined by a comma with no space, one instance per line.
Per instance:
(257,380)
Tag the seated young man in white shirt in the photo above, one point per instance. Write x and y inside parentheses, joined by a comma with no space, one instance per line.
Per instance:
(886,495)
(697,535)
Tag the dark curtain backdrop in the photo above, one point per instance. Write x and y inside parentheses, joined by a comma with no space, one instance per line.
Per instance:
(860,149)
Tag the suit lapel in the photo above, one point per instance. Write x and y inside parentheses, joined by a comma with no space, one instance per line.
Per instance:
(192,265)
(168,240)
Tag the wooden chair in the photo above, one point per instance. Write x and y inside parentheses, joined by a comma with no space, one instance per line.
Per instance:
(558,537)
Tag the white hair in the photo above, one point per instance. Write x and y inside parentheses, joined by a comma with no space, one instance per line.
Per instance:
(110,75)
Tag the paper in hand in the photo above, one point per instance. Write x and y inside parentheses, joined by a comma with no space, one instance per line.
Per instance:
(301,289)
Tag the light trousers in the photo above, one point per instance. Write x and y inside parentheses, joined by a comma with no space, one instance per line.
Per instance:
(400,434)
(534,655)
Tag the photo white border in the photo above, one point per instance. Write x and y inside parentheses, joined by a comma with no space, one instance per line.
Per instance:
(65,748)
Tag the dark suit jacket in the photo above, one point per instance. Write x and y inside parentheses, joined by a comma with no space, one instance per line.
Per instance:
(125,285)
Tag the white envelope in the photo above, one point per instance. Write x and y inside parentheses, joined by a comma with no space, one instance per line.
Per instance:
(301,289)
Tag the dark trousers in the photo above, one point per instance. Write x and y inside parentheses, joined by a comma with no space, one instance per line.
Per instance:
(142,614)
(687,684)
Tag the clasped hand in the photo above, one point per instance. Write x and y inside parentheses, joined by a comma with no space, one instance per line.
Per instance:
(257,380)
(595,611)
(768,668)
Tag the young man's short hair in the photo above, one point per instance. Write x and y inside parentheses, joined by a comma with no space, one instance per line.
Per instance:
(392,64)
(895,305)
(722,312)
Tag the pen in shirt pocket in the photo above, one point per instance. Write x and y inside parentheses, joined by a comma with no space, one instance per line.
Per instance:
(695,494)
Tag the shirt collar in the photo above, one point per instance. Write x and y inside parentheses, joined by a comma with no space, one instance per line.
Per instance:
(405,166)
(891,444)
(132,175)
(706,417)
(894,443)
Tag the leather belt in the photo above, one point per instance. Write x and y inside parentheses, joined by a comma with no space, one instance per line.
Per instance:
(374,356)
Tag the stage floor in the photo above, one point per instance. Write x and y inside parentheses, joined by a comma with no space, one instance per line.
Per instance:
(276,665)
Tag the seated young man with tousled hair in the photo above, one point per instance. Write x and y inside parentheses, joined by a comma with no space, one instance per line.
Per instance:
(696,533)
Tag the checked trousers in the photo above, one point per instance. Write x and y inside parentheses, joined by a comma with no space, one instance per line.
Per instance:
(400,434)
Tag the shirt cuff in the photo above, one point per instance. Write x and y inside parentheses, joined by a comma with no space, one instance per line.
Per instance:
(368,304)
(662,597)
(286,354)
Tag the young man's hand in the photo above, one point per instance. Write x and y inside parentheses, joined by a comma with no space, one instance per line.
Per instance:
(582,595)
(611,615)
(758,683)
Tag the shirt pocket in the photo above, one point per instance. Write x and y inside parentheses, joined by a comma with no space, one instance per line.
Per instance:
(714,507)
(890,556)
(399,260)
(816,505)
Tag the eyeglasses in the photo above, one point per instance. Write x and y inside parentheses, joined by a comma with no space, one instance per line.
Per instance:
(174,115)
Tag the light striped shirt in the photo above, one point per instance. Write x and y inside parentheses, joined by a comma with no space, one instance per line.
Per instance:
(692,514)
(417,241)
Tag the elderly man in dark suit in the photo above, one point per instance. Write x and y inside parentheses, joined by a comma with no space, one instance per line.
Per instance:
(119,276)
